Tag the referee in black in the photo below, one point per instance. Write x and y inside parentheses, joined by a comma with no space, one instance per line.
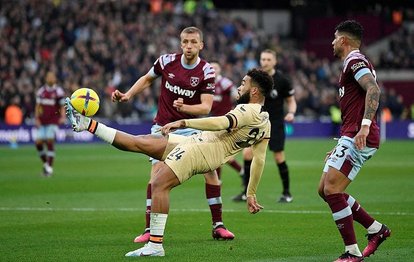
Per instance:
(275,106)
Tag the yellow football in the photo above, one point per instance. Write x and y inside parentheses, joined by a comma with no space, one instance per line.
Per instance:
(85,101)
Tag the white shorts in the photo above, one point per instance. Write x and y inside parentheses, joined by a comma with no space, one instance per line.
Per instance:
(155,129)
(46,132)
(347,159)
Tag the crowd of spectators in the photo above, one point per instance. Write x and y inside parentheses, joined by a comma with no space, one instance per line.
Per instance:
(108,45)
(400,51)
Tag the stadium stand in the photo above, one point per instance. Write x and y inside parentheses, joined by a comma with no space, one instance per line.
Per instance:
(106,45)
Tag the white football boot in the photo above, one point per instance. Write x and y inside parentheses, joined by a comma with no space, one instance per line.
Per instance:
(146,251)
(78,121)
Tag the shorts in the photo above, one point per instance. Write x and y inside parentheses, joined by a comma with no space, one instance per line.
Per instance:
(277,137)
(155,129)
(186,160)
(46,132)
(347,159)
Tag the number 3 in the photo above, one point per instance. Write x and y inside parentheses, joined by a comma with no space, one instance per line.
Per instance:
(342,151)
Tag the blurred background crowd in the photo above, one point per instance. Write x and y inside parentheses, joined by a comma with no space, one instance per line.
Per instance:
(107,45)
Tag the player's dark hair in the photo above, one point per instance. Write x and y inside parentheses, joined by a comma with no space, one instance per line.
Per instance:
(351,27)
(193,30)
(262,79)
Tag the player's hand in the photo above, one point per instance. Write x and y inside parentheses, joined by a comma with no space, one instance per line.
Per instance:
(290,117)
(37,123)
(178,104)
(252,205)
(328,154)
(170,127)
(118,96)
(360,139)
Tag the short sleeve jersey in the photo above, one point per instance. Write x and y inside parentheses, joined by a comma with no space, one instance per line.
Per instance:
(50,99)
(352,97)
(180,81)
(223,96)
(251,126)
(275,100)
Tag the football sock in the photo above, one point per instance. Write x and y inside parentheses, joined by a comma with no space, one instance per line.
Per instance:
(213,195)
(284,175)
(148,209)
(105,133)
(358,213)
(235,165)
(375,227)
(353,249)
(158,222)
(246,175)
(42,152)
(50,153)
(342,215)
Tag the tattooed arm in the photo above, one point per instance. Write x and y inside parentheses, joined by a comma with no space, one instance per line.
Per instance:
(369,84)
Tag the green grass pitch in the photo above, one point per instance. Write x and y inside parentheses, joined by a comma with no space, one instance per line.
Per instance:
(93,207)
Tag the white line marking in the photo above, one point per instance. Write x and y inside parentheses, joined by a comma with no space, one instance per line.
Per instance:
(126,209)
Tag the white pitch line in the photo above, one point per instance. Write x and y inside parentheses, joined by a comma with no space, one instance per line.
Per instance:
(91,209)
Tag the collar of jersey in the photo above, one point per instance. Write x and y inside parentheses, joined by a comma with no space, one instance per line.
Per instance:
(186,66)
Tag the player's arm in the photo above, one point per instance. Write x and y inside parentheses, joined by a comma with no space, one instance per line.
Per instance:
(142,83)
(198,109)
(291,108)
(214,123)
(369,84)
(256,170)
(37,114)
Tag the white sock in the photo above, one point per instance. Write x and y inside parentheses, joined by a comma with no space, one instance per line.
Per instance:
(157,227)
(375,227)
(353,249)
(215,225)
(105,133)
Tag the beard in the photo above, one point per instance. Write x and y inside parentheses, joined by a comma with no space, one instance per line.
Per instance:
(244,99)
(336,53)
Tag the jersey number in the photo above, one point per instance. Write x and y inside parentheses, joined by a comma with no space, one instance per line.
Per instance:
(340,152)
(177,154)
(251,139)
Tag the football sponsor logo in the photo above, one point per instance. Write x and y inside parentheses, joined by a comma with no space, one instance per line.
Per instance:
(171,75)
(194,81)
(211,86)
(357,66)
(180,91)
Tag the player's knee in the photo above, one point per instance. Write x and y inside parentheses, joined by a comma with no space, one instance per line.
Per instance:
(247,154)
(321,193)
(212,178)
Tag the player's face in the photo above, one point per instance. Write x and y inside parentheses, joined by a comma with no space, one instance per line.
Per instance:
(267,61)
(337,44)
(243,96)
(191,45)
(50,78)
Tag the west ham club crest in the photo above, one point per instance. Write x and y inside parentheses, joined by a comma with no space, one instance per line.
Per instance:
(194,81)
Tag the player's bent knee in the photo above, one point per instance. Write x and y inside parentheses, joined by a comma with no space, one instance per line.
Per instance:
(321,193)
